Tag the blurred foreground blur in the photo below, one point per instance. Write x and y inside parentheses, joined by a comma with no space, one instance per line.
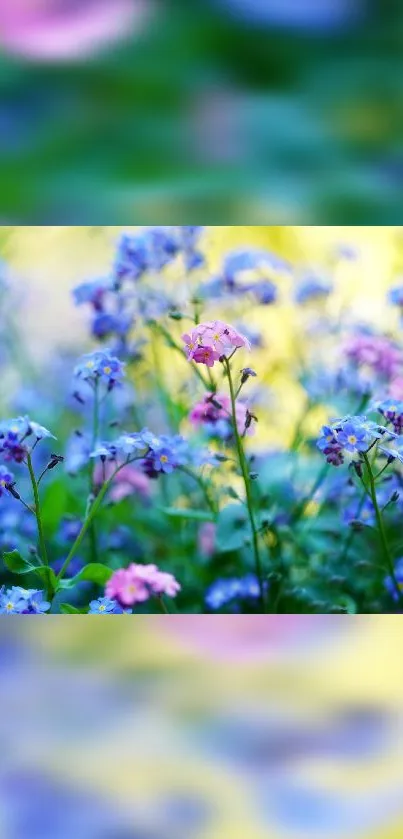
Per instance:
(163,732)
(154,111)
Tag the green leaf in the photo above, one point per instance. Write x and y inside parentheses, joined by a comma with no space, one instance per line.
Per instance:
(178,513)
(47,575)
(16,563)
(66,609)
(94,572)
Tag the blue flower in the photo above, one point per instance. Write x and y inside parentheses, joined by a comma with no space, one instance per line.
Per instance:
(363,513)
(102,366)
(105,606)
(353,437)
(11,602)
(15,434)
(6,478)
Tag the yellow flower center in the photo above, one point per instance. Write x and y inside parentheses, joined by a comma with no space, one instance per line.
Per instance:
(9,607)
(89,364)
(352,439)
(107,370)
(164,458)
(102,608)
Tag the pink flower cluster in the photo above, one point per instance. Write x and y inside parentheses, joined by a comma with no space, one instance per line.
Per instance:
(377,352)
(215,408)
(138,583)
(207,342)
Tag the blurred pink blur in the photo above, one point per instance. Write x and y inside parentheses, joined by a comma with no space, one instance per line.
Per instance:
(63,30)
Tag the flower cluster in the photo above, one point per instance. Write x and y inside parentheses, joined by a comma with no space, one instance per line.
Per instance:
(209,341)
(100,366)
(213,413)
(138,583)
(159,453)
(18,436)
(22,601)
(348,438)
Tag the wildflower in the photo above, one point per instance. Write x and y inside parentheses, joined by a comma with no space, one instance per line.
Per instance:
(312,288)
(225,591)
(6,478)
(389,583)
(265,292)
(17,600)
(209,341)
(69,528)
(138,583)
(15,435)
(360,513)
(100,365)
(105,606)
(353,437)
(11,602)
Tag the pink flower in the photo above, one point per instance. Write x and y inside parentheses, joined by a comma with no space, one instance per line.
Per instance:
(126,587)
(129,481)
(205,355)
(137,583)
(50,30)
(191,342)
(209,341)
(206,538)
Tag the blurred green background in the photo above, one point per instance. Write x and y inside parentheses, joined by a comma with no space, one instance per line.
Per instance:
(214,110)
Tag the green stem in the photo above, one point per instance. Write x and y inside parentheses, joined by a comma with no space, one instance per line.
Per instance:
(248,492)
(95,432)
(90,516)
(203,486)
(163,606)
(381,528)
(42,545)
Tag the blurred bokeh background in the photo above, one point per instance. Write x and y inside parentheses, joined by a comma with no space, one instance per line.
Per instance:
(151,728)
(153,111)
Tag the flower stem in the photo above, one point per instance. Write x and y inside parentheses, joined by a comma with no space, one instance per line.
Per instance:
(95,432)
(89,518)
(245,474)
(42,545)
(381,527)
